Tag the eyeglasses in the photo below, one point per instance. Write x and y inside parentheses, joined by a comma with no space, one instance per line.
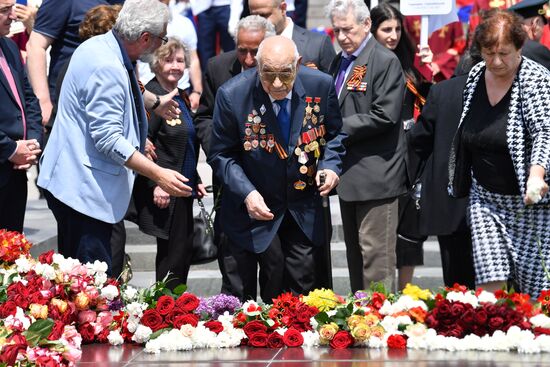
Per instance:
(286,77)
(163,39)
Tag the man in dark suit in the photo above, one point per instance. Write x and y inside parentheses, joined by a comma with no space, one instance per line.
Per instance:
(275,130)
(431,138)
(249,33)
(315,49)
(20,126)
(370,84)
(534,21)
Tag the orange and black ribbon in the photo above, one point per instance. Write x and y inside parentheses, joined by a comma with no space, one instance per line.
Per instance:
(419,100)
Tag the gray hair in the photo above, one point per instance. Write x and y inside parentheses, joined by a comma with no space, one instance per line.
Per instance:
(168,49)
(254,23)
(342,7)
(139,16)
(260,51)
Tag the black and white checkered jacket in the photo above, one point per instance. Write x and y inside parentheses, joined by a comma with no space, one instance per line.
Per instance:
(528,130)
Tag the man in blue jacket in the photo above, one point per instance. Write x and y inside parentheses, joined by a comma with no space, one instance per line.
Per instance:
(275,130)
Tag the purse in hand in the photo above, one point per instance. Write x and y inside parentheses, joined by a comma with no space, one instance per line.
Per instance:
(204,248)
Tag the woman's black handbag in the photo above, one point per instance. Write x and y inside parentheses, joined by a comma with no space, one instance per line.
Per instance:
(204,248)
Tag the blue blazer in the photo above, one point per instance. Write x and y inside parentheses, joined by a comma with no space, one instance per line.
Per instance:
(97,128)
(11,118)
(243,171)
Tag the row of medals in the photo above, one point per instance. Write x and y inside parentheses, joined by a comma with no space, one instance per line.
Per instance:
(255,125)
(313,146)
(173,122)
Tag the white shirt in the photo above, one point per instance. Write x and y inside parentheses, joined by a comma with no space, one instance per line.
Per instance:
(287,32)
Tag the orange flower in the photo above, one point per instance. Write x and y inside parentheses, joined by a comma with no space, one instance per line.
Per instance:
(418,314)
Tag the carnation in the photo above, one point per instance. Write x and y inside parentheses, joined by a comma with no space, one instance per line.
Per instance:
(23,264)
(142,334)
(136,309)
(251,308)
(115,338)
(487,297)
(541,320)
(129,293)
(311,338)
(110,292)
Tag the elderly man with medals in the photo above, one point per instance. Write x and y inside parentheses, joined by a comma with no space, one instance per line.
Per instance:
(276,130)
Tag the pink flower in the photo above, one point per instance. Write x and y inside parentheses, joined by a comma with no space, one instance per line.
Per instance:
(72,354)
(104,318)
(86,316)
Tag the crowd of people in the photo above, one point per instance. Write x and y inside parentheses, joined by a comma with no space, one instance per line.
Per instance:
(448,139)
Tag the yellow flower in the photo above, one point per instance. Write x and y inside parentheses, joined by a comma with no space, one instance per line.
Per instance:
(38,311)
(60,304)
(323,299)
(354,320)
(361,332)
(416,293)
(377,331)
(82,301)
(327,332)
(371,319)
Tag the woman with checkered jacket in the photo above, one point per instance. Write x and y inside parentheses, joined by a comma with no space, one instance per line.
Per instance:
(501,156)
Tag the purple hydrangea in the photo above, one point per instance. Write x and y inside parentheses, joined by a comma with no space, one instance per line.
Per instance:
(214,306)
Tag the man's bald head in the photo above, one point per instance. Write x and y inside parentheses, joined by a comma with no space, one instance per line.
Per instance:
(277,49)
(278,61)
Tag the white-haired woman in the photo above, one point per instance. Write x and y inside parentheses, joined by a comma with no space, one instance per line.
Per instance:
(168,218)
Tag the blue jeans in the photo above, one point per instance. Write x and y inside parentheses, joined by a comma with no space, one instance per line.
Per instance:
(79,236)
(212,21)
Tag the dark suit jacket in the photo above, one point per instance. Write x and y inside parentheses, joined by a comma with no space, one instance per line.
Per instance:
(220,69)
(243,171)
(374,165)
(536,52)
(314,47)
(11,118)
(171,144)
(431,138)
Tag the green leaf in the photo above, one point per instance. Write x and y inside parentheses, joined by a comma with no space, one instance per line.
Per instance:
(40,329)
(322,318)
(180,289)
(270,322)
(157,333)
(350,307)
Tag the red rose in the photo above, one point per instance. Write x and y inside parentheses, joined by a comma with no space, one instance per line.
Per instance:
(165,304)
(492,310)
(293,338)
(444,310)
(188,302)
(152,319)
(10,351)
(454,331)
(457,309)
(275,340)
(176,311)
(46,257)
(214,326)
(57,330)
(377,300)
(87,332)
(397,341)
(189,318)
(258,340)
(495,322)
(8,309)
(254,327)
(431,321)
(481,317)
(341,340)
(46,361)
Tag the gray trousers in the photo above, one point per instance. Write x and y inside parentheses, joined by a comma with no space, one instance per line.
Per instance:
(370,229)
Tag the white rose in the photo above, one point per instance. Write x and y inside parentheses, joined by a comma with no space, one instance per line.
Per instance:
(23,264)
(142,334)
(130,292)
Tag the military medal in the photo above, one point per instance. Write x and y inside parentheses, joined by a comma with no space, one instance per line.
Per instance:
(298,151)
(173,122)
(262,130)
(355,83)
(303,158)
(247,145)
(314,119)
(263,144)
(322,141)
(299,185)
(257,120)
(250,118)
(316,107)
(308,107)
(255,143)
(262,109)
(247,129)
(270,141)
(303,170)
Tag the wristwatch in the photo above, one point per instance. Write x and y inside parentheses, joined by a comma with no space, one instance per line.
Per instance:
(157,103)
